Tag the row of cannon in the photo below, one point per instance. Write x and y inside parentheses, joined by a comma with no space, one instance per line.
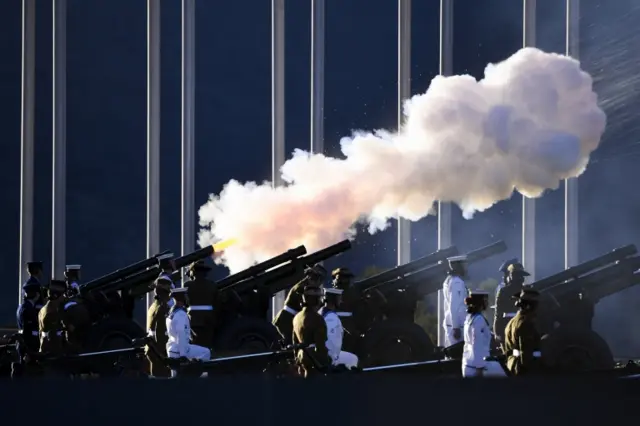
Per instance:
(383,313)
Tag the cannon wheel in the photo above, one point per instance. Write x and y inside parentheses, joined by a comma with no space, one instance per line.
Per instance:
(570,350)
(113,333)
(247,335)
(395,342)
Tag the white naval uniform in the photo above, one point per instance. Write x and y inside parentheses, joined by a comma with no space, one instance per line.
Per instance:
(477,344)
(454,292)
(335,333)
(179,333)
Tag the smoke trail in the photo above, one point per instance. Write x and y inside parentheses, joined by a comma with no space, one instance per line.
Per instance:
(531,122)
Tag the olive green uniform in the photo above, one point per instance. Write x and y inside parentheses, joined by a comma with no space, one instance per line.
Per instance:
(50,327)
(521,335)
(310,328)
(76,323)
(203,298)
(292,306)
(156,319)
(505,309)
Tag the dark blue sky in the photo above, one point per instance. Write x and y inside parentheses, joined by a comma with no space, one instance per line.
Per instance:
(107,112)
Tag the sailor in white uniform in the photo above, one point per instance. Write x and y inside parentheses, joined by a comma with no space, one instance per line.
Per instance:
(335,331)
(179,331)
(477,335)
(454,292)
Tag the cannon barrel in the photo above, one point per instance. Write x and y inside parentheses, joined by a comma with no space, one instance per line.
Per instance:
(586,267)
(429,280)
(283,277)
(408,268)
(121,273)
(602,283)
(262,267)
(143,278)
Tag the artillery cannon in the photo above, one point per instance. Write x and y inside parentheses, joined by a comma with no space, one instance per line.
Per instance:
(567,308)
(384,310)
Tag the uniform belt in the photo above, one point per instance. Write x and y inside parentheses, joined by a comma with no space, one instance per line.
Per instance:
(344,314)
(152,333)
(33,333)
(508,314)
(536,354)
(200,308)
(47,333)
(290,310)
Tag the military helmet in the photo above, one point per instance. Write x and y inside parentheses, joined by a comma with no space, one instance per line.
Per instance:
(165,261)
(517,269)
(163,282)
(455,260)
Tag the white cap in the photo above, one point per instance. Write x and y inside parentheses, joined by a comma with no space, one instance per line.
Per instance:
(73,267)
(179,290)
(332,290)
(165,256)
(455,259)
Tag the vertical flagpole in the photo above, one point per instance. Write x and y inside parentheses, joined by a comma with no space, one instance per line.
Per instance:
(404,92)
(59,181)
(529,204)
(188,128)
(571,185)
(153,130)
(317,75)
(277,109)
(446,69)
(26,137)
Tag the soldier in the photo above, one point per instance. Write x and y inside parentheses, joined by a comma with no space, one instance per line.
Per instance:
(477,335)
(504,270)
(76,321)
(27,315)
(203,296)
(34,269)
(309,328)
(50,319)
(335,332)
(179,331)
(454,291)
(504,310)
(283,322)
(522,340)
(167,267)
(72,277)
(156,320)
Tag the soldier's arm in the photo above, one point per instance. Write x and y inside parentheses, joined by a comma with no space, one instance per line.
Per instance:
(320,341)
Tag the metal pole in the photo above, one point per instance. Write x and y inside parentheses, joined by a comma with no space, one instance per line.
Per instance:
(153,130)
(317,75)
(59,185)
(571,185)
(188,129)
(277,109)
(529,204)
(446,69)
(404,92)
(26,137)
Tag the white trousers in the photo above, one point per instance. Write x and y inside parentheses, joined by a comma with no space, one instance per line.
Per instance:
(193,352)
(347,359)
(492,369)
(449,340)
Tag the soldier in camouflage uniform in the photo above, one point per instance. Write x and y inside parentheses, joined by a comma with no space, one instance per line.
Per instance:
(309,328)
(283,322)
(522,339)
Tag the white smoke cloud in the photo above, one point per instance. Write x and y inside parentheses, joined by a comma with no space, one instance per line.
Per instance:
(530,123)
